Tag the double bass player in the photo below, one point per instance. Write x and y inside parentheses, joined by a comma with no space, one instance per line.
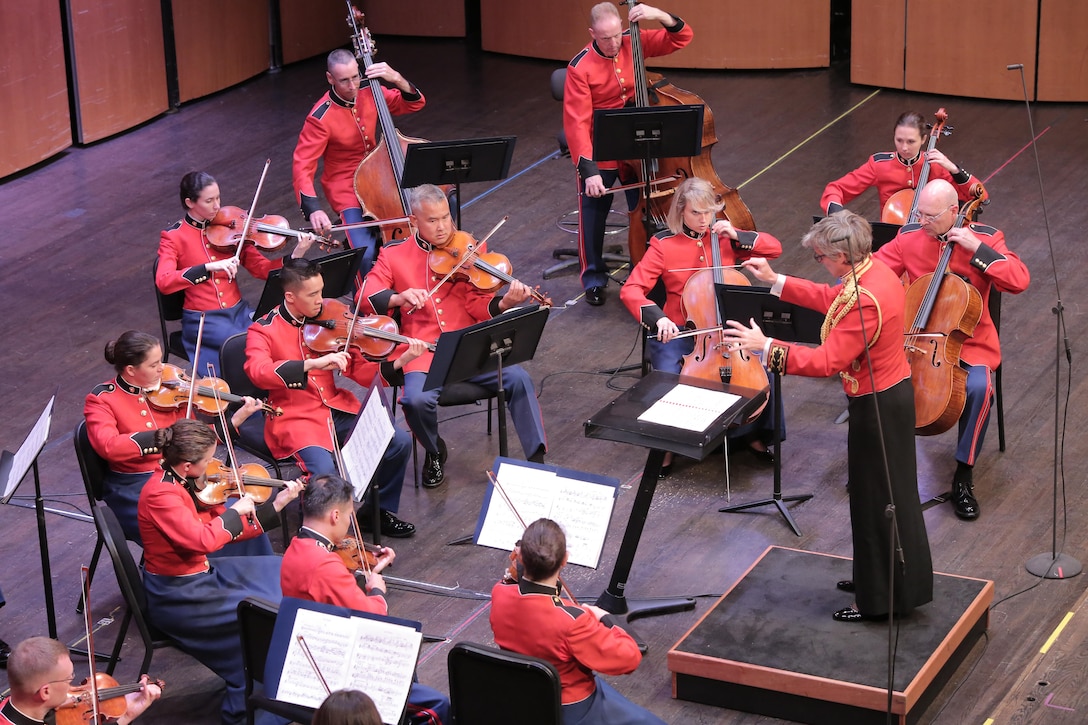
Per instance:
(982,259)
(602,76)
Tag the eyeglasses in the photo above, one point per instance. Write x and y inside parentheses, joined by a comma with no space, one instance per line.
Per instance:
(68,680)
(820,257)
(931,217)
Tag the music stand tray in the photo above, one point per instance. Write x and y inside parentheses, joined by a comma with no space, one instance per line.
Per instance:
(782,321)
(619,421)
(621,134)
(883,232)
(457,162)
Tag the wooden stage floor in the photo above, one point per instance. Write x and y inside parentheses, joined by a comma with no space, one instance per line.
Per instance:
(80,234)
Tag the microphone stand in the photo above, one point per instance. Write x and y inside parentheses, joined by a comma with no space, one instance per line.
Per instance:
(1055,564)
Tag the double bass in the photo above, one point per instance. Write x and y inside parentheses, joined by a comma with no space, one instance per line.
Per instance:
(653,89)
(941,312)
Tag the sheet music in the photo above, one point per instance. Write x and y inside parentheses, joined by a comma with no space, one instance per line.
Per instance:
(331,647)
(383,664)
(689,408)
(582,508)
(366,446)
(23,458)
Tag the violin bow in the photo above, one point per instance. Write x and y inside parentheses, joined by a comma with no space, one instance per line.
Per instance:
(227,441)
(510,504)
(361,225)
(338,456)
(85,578)
(196,356)
(690,333)
(313,663)
(252,208)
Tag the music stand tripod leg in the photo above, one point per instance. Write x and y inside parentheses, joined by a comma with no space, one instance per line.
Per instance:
(614,599)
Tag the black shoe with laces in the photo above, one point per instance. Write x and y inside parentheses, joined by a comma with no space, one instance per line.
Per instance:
(964,501)
(433,466)
(391,526)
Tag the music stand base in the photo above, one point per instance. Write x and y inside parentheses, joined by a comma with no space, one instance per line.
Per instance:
(634,609)
(1049,566)
(778,501)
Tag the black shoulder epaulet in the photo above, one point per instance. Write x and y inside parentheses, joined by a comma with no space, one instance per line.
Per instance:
(983,229)
(395,243)
(103,388)
(266,319)
(319,112)
(884,156)
(910,228)
(175,225)
(661,235)
(575,59)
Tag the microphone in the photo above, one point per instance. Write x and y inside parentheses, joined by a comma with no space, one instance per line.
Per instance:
(1015,66)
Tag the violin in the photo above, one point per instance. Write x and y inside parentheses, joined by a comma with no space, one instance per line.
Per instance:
(212,395)
(375,336)
(461,255)
(267,233)
(80,709)
(357,554)
(221,482)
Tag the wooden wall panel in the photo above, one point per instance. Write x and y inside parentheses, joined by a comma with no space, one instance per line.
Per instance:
(728,33)
(34,118)
(219,44)
(877,30)
(119,67)
(308,28)
(967,55)
(1063,51)
(421,18)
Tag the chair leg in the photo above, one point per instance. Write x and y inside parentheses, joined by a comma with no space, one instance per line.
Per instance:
(489,407)
(90,572)
(1000,410)
(415,461)
(115,655)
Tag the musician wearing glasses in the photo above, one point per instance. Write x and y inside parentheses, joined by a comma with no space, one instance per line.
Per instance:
(980,257)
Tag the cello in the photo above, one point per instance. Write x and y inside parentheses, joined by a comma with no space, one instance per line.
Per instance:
(902,207)
(378,177)
(648,217)
(712,359)
(941,311)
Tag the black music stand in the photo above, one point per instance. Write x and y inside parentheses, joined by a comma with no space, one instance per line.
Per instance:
(338,271)
(623,134)
(457,162)
(508,339)
(782,321)
(619,421)
(883,232)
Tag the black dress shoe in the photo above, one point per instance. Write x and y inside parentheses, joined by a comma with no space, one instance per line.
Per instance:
(964,501)
(394,528)
(595,296)
(763,456)
(433,473)
(848,614)
(846,585)
(666,469)
(5,651)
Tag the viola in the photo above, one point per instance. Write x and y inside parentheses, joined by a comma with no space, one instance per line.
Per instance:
(268,233)
(212,395)
(358,555)
(80,708)
(902,206)
(375,336)
(648,217)
(221,482)
(462,256)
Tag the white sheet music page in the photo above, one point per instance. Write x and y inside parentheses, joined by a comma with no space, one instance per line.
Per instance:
(32,446)
(583,509)
(366,447)
(331,647)
(531,491)
(383,665)
(689,408)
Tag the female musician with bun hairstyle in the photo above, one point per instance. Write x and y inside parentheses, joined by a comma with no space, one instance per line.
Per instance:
(189,263)
(892,171)
(863,343)
(192,599)
(671,259)
(121,424)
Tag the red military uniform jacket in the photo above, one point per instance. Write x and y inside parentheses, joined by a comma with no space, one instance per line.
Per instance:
(456,304)
(683,252)
(179,532)
(889,173)
(533,620)
(342,134)
(275,351)
(843,349)
(121,426)
(312,571)
(9,715)
(183,253)
(596,81)
(914,252)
